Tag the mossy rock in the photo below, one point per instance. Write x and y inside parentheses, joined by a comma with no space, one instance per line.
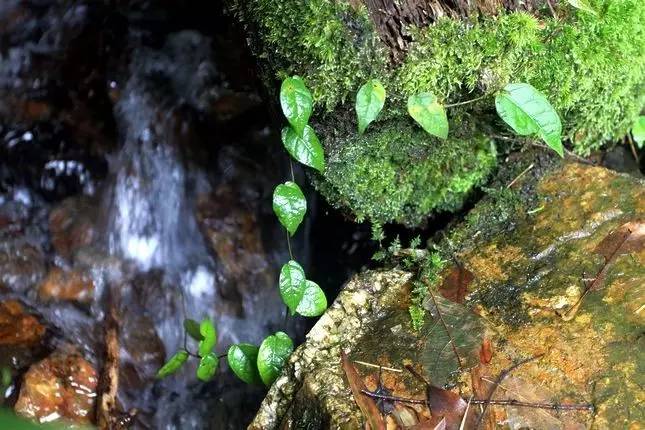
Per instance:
(590,66)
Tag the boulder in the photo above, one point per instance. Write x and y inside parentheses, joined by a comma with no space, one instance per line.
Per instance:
(546,272)
(67,285)
(60,387)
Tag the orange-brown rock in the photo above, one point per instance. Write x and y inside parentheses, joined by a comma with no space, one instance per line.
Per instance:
(60,387)
(18,327)
(66,285)
(71,225)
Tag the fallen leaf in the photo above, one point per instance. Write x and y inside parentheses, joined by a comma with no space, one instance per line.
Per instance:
(486,351)
(627,238)
(450,406)
(405,416)
(366,404)
(533,418)
(455,284)
(434,423)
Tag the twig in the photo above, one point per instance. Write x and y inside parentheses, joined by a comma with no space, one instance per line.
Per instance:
(499,379)
(463,420)
(465,102)
(524,172)
(486,402)
(633,148)
(390,369)
(551,9)
(106,411)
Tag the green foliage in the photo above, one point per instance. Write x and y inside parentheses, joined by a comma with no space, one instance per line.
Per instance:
(428,277)
(272,356)
(207,367)
(173,365)
(638,131)
(313,302)
(296,103)
(292,284)
(242,359)
(192,328)
(399,173)
(426,110)
(330,43)
(528,112)
(370,100)
(305,149)
(209,337)
(289,205)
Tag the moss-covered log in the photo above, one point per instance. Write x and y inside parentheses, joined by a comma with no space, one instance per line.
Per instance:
(590,66)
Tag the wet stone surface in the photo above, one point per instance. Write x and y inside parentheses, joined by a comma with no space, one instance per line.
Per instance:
(552,268)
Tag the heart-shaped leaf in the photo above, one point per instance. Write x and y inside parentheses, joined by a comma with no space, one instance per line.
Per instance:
(313,302)
(174,364)
(296,102)
(292,284)
(582,5)
(209,338)
(192,328)
(272,355)
(528,112)
(638,131)
(289,205)
(207,367)
(306,149)
(426,110)
(242,359)
(370,100)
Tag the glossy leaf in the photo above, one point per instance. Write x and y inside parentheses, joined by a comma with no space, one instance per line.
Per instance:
(292,284)
(638,132)
(370,100)
(296,102)
(272,355)
(306,148)
(209,335)
(426,110)
(242,359)
(582,5)
(173,365)
(366,404)
(192,328)
(207,367)
(528,112)
(289,205)
(313,302)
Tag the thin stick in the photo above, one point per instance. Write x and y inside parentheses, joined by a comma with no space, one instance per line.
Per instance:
(633,148)
(289,244)
(524,172)
(551,9)
(463,420)
(449,105)
(567,152)
(390,369)
(507,402)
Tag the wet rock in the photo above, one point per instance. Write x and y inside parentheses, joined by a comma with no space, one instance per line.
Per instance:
(17,327)
(72,225)
(21,266)
(60,387)
(530,253)
(71,285)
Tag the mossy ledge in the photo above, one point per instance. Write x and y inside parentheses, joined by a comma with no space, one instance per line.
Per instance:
(591,67)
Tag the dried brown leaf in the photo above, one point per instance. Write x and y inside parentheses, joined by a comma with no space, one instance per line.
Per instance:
(486,351)
(366,404)
(455,284)
(627,238)
(449,405)
(434,423)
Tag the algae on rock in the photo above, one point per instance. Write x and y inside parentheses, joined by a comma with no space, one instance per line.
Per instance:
(591,68)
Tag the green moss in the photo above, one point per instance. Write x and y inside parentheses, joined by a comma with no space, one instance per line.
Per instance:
(591,68)
(397,172)
(331,44)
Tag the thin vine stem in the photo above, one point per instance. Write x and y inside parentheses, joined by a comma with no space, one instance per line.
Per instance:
(465,102)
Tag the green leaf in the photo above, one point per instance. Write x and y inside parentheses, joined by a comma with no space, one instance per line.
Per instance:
(528,112)
(582,5)
(272,355)
(174,364)
(289,205)
(207,367)
(296,102)
(638,132)
(370,100)
(242,359)
(192,328)
(426,110)
(209,334)
(292,284)
(313,302)
(305,149)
